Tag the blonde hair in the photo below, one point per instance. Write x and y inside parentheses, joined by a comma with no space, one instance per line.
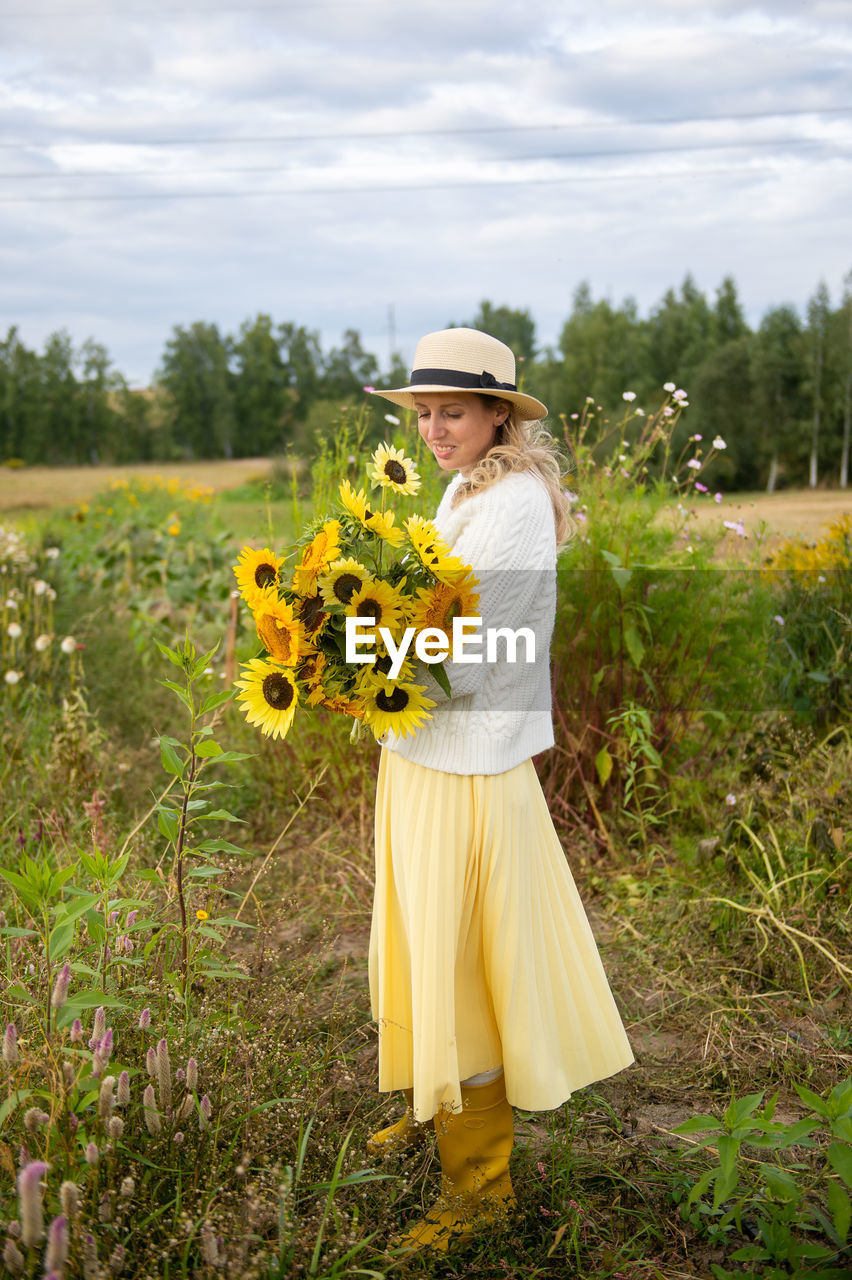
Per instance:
(523,446)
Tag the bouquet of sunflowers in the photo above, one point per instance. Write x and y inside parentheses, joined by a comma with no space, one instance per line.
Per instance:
(357,564)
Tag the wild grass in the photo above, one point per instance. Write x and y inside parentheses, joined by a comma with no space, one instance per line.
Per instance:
(724,925)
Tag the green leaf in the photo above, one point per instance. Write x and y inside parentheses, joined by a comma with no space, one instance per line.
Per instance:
(173,657)
(14,1099)
(603,765)
(209,748)
(781,1184)
(741,1109)
(168,823)
(812,1100)
(621,576)
(229,757)
(634,644)
(17,992)
(840,1208)
(171,761)
(181,693)
(696,1123)
(750,1253)
(222,815)
(215,700)
(442,680)
(726,1184)
(61,939)
(220,846)
(729,1149)
(840,1159)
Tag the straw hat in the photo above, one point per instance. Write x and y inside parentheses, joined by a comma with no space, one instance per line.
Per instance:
(465,360)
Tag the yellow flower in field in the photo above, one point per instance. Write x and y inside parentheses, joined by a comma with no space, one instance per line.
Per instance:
(433,552)
(278,629)
(446,601)
(320,551)
(269,697)
(174,529)
(373,521)
(393,470)
(202,915)
(256,572)
(380,602)
(395,705)
(342,580)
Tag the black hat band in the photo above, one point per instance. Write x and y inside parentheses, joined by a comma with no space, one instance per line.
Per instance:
(457,378)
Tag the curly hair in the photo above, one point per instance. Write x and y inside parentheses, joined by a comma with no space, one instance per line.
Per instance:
(523,446)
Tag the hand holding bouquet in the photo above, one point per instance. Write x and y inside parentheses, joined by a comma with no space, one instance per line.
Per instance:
(399,582)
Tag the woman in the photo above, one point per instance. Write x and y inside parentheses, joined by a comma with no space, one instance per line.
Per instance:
(484,975)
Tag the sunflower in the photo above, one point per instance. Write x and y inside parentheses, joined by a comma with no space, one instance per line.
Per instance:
(311,614)
(433,551)
(378,522)
(269,697)
(395,705)
(446,601)
(393,470)
(279,630)
(343,705)
(257,572)
(380,602)
(319,552)
(380,670)
(342,580)
(310,668)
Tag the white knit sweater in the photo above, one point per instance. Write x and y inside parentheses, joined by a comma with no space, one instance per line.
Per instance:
(499,713)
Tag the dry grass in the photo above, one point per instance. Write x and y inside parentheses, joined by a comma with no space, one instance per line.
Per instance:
(38,488)
(794,512)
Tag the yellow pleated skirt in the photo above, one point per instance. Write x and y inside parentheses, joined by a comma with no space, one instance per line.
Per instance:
(481,954)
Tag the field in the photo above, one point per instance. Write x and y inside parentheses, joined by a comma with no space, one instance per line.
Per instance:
(792,512)
(702,787)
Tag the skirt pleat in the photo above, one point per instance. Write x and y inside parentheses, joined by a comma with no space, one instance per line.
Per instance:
(481,954)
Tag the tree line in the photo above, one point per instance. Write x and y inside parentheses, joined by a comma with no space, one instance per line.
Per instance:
(780,394)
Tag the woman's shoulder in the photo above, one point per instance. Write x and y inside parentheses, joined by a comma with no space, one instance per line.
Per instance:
(520,493)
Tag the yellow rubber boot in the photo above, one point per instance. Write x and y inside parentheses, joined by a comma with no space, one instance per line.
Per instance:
(474,1147)
(401,1136)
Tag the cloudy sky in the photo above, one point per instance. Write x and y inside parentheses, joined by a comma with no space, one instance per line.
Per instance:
(384,165)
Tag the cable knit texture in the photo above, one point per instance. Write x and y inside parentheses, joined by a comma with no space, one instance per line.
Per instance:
(499,713)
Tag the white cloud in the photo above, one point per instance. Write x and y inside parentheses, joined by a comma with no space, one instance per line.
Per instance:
(764,199)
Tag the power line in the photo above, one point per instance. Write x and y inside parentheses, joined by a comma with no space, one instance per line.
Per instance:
(378,189)
(60,175)
(562,127)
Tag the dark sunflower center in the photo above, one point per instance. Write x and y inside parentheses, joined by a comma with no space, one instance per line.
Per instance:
(368,514)
(311,612)
(264,575)
(346,586)
(395,471)
(384,663)
(278,691)
(397,701)
(370,609)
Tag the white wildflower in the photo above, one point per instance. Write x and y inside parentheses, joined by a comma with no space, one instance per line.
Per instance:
(668,386)
(69,644)
(390,417)
(39,587)
(42,642)
(694,463)
(12,677)
(628,395)
(719,443)
(730,798)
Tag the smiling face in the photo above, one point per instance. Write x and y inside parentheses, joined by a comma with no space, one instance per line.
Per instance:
(459,427)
